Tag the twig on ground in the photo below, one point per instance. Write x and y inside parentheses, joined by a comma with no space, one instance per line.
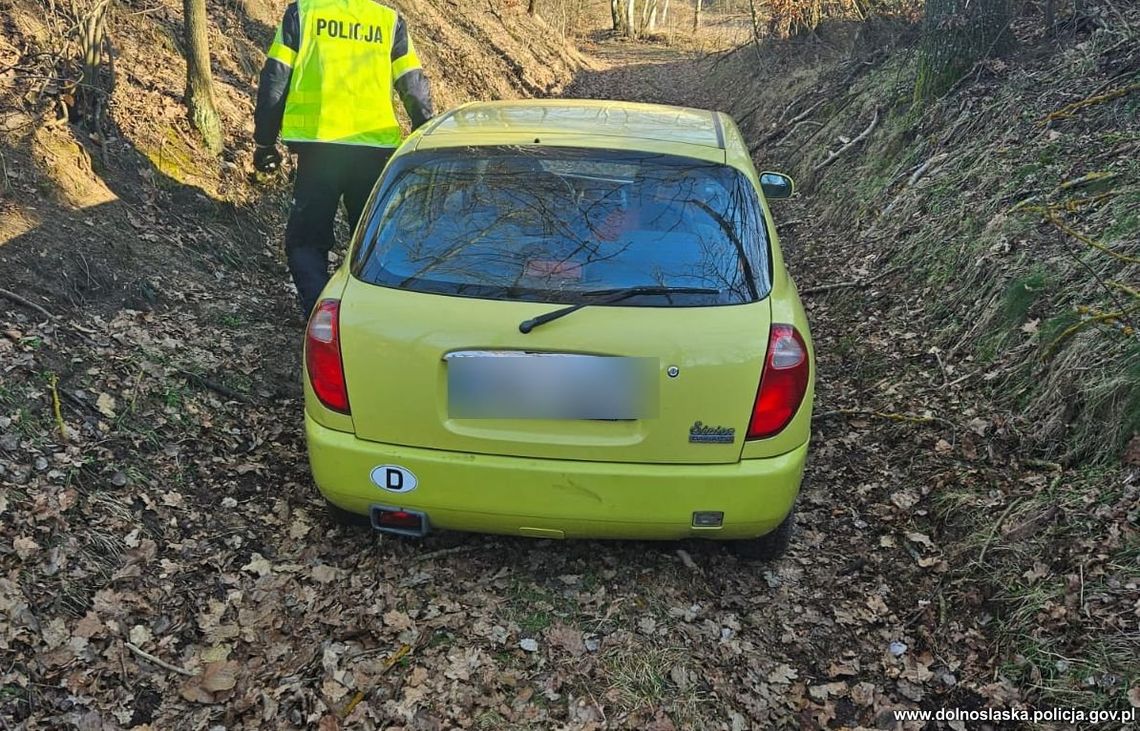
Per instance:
(1043,464)
(890,416)
(993,532)
(1052,218)
(688,561)
(862,136)
(846,285)
(158,661)
(204,382)
(56,408)
(1068,109)
(444,552)
(77,402)
(1074,329)
(795,127)
(923,168)
(792,124)
(7,294)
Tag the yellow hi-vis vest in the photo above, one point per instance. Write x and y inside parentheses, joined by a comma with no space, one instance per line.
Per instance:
(341,86)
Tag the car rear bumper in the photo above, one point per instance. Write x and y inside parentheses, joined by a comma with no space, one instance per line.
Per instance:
(558,498)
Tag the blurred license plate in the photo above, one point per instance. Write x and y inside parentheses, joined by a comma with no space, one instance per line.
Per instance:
(517,385)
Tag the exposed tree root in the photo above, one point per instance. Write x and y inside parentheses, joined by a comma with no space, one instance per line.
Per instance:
(856,283)
(7,294)
(862,136)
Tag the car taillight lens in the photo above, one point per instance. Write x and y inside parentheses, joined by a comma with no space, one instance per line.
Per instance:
(783,383)
(322,356)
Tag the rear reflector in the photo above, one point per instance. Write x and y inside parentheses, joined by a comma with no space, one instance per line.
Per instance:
(782,384)
(708,519)
(402,522)
(322,356)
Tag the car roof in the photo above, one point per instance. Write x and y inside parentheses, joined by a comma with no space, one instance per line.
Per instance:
(582,123)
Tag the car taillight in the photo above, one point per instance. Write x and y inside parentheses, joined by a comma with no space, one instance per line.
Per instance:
(322,356)
(783,383)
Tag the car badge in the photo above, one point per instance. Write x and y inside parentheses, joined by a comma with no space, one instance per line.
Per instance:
(701,434)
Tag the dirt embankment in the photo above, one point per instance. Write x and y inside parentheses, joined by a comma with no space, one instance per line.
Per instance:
(986,248)
(152,209)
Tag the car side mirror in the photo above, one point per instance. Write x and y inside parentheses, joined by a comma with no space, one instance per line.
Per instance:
(776,185)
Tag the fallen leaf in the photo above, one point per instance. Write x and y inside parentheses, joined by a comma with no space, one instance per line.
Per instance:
(823,692)
(259,565)
(323,573)
(140,635)
(1132,452)
(783,674)
(843,669)
(106,405)
(567,638)
(904,500)
(398,620)
(920,538)
(219,676)
(25,547)
(876,604)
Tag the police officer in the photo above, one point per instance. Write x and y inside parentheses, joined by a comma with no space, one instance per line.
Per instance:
(326,89)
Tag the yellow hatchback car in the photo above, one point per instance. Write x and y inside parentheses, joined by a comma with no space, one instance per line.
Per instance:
(565,319)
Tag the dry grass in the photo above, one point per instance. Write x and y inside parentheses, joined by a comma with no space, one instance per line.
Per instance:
(651,678)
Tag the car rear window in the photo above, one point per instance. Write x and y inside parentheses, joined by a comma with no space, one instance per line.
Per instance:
(549,224)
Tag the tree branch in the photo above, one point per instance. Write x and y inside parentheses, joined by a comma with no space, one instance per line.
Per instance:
(159,662)
(25,302)
(846,285)
(862,136)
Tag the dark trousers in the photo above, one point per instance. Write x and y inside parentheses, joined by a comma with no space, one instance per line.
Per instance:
(325,174)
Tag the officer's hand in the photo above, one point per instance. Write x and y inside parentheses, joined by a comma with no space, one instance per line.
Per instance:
(266,158)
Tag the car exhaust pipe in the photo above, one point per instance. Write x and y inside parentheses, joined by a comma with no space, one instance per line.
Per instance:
(399,521)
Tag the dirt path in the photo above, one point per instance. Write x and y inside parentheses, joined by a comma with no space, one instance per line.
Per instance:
(210,552)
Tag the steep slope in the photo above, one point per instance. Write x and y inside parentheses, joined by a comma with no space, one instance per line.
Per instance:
(153,202)
(993,238)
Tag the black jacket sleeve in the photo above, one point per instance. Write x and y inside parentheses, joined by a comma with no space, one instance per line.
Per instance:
(410,81)
(275,76)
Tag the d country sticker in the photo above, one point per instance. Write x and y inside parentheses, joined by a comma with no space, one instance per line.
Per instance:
(394,478)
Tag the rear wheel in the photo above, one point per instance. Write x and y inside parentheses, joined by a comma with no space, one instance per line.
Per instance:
(340,516)
(770,546)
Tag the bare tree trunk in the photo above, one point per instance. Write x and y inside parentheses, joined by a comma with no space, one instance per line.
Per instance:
(957,34)
(199,82)
(665,13)
(91,96)
(631,17)
(697,16)
(755,26)
(649,15)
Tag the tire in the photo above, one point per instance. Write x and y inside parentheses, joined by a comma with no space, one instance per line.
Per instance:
(340,516)
(769,546)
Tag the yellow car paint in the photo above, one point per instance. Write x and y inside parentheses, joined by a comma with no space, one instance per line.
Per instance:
(565,478)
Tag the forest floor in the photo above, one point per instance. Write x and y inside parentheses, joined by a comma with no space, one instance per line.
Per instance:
(196,538)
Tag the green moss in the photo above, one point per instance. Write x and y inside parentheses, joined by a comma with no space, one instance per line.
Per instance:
(1021,294)
(989,346)
(1125,217)
(173,157)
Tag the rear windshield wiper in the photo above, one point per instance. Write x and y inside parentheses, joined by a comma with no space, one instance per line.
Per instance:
(611,295)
